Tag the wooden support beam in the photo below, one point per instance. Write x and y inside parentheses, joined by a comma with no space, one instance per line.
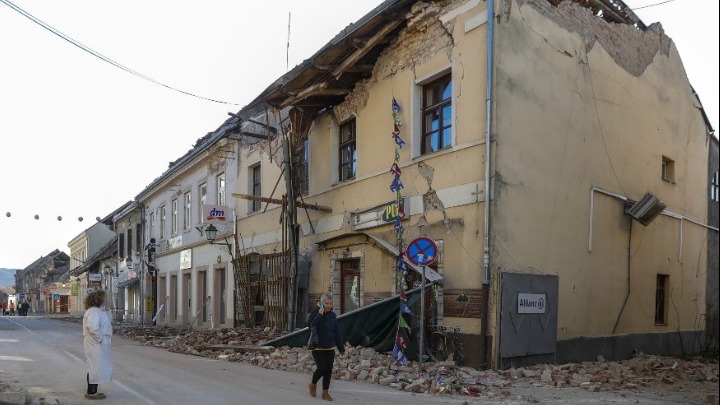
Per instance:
(278,201)
(319,89)
(360,68)
(374,40)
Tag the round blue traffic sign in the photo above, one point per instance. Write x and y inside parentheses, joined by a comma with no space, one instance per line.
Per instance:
(422,251)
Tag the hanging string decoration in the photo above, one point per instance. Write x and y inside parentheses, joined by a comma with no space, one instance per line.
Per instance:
(402,335)
(59,217)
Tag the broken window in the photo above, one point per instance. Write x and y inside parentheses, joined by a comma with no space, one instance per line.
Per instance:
(348,151)
(437,115)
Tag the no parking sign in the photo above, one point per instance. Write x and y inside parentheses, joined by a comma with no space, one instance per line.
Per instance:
(422,251)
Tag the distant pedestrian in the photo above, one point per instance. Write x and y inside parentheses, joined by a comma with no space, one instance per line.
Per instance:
(97,332)
(25,308)
(329,338)
(4,308)
(12,308)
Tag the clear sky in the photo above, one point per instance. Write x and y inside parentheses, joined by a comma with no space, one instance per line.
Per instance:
(80,137)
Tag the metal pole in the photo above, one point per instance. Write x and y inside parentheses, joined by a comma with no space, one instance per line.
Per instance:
(422,318)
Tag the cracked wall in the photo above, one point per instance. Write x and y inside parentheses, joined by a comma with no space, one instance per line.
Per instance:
(631,48)
(580,102)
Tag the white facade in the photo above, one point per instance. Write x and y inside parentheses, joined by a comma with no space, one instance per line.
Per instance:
(190,270)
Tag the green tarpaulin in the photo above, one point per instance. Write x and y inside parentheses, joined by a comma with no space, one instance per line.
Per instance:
(372,326)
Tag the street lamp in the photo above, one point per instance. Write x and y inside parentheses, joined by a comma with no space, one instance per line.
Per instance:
(211,232)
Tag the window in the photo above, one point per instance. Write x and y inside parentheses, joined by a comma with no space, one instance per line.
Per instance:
(349,285)
(138,237)
(715,187)
(174,219)
(256,187)
(348,151)
(129,242)
(163,219)
(202,192)
(188,210)
(220,183)
(152,225)
(303,169)
(436,115)
(668,169)
(121,245)
(661,299)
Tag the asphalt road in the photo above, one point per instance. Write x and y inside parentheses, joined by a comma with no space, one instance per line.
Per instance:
(45,356)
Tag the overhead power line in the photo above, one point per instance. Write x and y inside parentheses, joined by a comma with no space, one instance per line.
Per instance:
(637,8)
(103,57)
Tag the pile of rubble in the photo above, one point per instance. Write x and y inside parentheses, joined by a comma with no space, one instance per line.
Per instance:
(642,372)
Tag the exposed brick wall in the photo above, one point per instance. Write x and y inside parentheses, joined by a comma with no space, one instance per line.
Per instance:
(424,36)
(631,48)
(453,308)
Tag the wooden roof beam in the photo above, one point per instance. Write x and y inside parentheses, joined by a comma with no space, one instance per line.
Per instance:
(358,54)
(278,201)
(320,89)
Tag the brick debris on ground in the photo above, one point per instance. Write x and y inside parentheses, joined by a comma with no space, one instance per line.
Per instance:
(658,375)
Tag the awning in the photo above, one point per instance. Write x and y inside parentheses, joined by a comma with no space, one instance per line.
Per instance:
(430,274)
(128,283)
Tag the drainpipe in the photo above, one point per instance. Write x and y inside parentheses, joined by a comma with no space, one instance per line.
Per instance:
(488,178)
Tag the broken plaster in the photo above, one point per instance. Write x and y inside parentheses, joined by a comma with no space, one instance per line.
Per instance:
(431,201)
(631,48)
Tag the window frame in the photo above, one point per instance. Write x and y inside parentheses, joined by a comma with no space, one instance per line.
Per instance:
(220,185)
(174,217)
(715,187)
(662,285)
(667,170)
(303,175)
(348,145)
(255,187)
(438,106)
(187,209)
(202,199)
(163,221)
(151,225)
(350,268)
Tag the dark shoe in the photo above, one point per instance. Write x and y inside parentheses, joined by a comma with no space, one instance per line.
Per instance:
(312,390)
(97,395)
(326,396)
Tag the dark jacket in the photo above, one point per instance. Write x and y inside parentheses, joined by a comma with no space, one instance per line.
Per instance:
(328,330)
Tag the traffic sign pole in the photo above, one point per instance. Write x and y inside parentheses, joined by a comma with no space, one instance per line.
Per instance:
(422,319)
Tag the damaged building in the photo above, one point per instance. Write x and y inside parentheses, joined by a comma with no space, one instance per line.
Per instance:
(554,151)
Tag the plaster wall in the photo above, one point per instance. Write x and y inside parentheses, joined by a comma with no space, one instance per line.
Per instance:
(575,110)
(440,208)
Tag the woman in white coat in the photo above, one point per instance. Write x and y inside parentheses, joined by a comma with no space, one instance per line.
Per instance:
(97,332)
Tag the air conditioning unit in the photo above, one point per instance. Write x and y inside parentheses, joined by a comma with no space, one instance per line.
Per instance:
(645,210)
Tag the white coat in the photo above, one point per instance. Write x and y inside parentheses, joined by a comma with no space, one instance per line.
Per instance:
(97,332)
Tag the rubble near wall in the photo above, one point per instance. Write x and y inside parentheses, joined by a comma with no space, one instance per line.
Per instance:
(694,380)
